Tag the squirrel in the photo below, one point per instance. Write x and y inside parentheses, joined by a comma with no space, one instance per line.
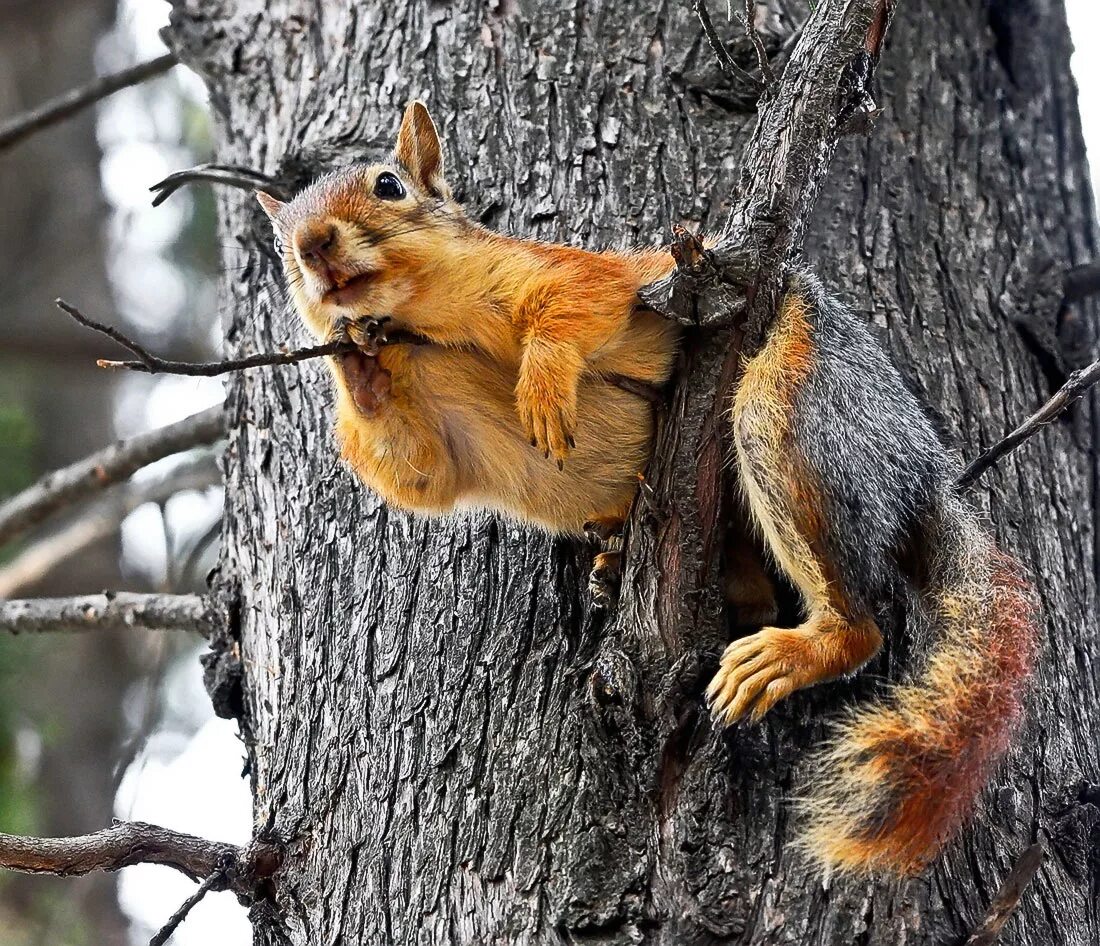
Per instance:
(523,335)
(840,470)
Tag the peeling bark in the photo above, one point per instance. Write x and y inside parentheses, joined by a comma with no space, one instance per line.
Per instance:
(456,749)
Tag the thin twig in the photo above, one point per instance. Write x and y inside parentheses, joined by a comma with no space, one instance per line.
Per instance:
(69,103)
(209,536)
(102,519)
(758,44)
(110,611)
(166,931)
(73,483)
(1008,897)
(210,369)
(230,175)
(1073,390)
(725,60)
(112,333)
(151,364)
(133,842)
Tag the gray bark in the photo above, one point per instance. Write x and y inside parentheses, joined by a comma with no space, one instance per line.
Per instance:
(454,747)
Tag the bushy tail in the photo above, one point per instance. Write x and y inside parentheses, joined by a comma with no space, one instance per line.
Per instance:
(899,777)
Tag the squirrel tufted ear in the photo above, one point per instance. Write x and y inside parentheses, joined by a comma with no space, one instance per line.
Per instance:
(270,205)
(418,150)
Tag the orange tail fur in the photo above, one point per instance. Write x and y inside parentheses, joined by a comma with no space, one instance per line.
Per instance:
(900,776)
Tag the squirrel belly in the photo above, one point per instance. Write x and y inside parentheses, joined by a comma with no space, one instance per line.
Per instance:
(852,491)
(445,438)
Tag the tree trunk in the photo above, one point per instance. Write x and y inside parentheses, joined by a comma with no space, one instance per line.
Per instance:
(456,748)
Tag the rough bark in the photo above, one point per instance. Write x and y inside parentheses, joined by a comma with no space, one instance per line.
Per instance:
(455,748)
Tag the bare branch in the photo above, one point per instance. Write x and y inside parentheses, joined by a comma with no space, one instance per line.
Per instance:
(228,174)
(166,931)
(69,103)
(825,87)
(1008,897)
(94,473)
(758,44)
(107,612)
(210,369)
(127,843)
(1073,390)
(151,364)
(112,333)
(725,60)
(102,519)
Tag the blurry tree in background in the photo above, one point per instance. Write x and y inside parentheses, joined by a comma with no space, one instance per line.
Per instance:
(54,222)
(72,710)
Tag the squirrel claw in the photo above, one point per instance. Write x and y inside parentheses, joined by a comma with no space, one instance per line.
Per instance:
(368,332)
(603,580)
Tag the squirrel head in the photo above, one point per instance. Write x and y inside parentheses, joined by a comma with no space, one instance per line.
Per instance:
(359,240)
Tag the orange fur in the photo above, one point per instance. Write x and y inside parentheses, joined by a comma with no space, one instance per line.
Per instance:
(523,332)
(898,779)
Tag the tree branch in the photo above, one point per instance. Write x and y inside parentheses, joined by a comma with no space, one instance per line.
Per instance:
(1008,897)
(166,931)
(69,103)
(230,175)
(727,63)
(825,85)
(88,476)
(151,364)
(758,44)
(211,369)
(1073,390)
(110,611)
(102,519)
(127,843)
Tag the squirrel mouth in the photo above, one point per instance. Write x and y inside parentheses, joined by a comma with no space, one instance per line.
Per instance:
(346,290)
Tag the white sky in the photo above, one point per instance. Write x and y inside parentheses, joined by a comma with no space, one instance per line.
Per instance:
(1084,21)
(173,788)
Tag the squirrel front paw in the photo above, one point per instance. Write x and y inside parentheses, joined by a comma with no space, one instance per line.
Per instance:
(368,332)
(546,400)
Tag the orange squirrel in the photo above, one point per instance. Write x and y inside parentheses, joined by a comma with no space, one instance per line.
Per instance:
(839,467)
(523,333)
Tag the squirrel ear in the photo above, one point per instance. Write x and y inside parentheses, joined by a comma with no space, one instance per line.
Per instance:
(418,150)
(270,205)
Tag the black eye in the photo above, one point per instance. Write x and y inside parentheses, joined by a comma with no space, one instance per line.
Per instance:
(388,187)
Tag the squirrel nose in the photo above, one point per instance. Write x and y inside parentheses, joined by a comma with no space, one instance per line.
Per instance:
(316,244)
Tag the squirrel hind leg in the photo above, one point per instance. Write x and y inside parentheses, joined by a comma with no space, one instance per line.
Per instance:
(838,636)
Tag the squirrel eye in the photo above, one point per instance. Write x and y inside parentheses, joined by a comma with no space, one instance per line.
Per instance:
(388,187)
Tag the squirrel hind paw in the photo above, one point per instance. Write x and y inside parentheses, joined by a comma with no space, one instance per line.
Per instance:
(603,581)
(755,674)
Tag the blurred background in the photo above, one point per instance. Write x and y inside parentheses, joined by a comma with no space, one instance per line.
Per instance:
(98,726)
